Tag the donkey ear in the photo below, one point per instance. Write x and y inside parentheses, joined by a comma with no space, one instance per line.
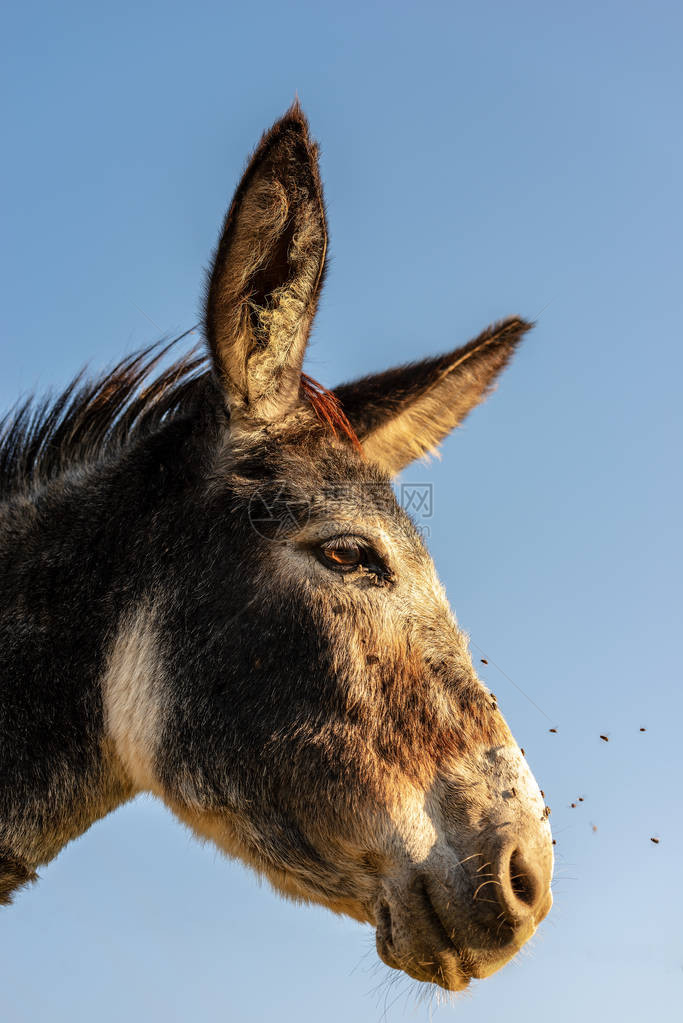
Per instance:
(267,273)
(405,413)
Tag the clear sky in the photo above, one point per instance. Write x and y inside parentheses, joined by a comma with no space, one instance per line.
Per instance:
(480,160)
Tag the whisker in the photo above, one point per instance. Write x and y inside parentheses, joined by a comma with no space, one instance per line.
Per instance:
(483,883)
(471,857)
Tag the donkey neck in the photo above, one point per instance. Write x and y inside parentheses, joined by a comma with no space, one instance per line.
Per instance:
(76,554)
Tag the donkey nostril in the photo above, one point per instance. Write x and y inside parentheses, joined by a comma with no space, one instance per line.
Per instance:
(522,880)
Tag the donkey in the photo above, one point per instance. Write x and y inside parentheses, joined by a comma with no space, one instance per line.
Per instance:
(210,593)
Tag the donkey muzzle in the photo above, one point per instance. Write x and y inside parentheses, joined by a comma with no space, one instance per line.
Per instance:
(447,926)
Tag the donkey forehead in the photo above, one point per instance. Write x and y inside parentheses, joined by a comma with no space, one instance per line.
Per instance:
(336,482)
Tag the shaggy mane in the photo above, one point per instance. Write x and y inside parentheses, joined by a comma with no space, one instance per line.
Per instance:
(93,419)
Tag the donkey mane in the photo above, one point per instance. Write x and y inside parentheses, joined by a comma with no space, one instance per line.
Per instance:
(95,419)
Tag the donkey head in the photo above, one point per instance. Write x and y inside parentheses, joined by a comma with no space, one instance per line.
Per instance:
(329,727)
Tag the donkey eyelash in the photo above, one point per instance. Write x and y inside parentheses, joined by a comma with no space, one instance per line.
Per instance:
(347,540)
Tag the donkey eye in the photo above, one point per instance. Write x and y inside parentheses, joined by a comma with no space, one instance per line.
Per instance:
(345,554)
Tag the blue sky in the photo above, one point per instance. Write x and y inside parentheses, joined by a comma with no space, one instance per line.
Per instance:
(479,160)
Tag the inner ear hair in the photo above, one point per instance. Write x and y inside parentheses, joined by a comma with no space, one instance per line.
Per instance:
(404,413)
